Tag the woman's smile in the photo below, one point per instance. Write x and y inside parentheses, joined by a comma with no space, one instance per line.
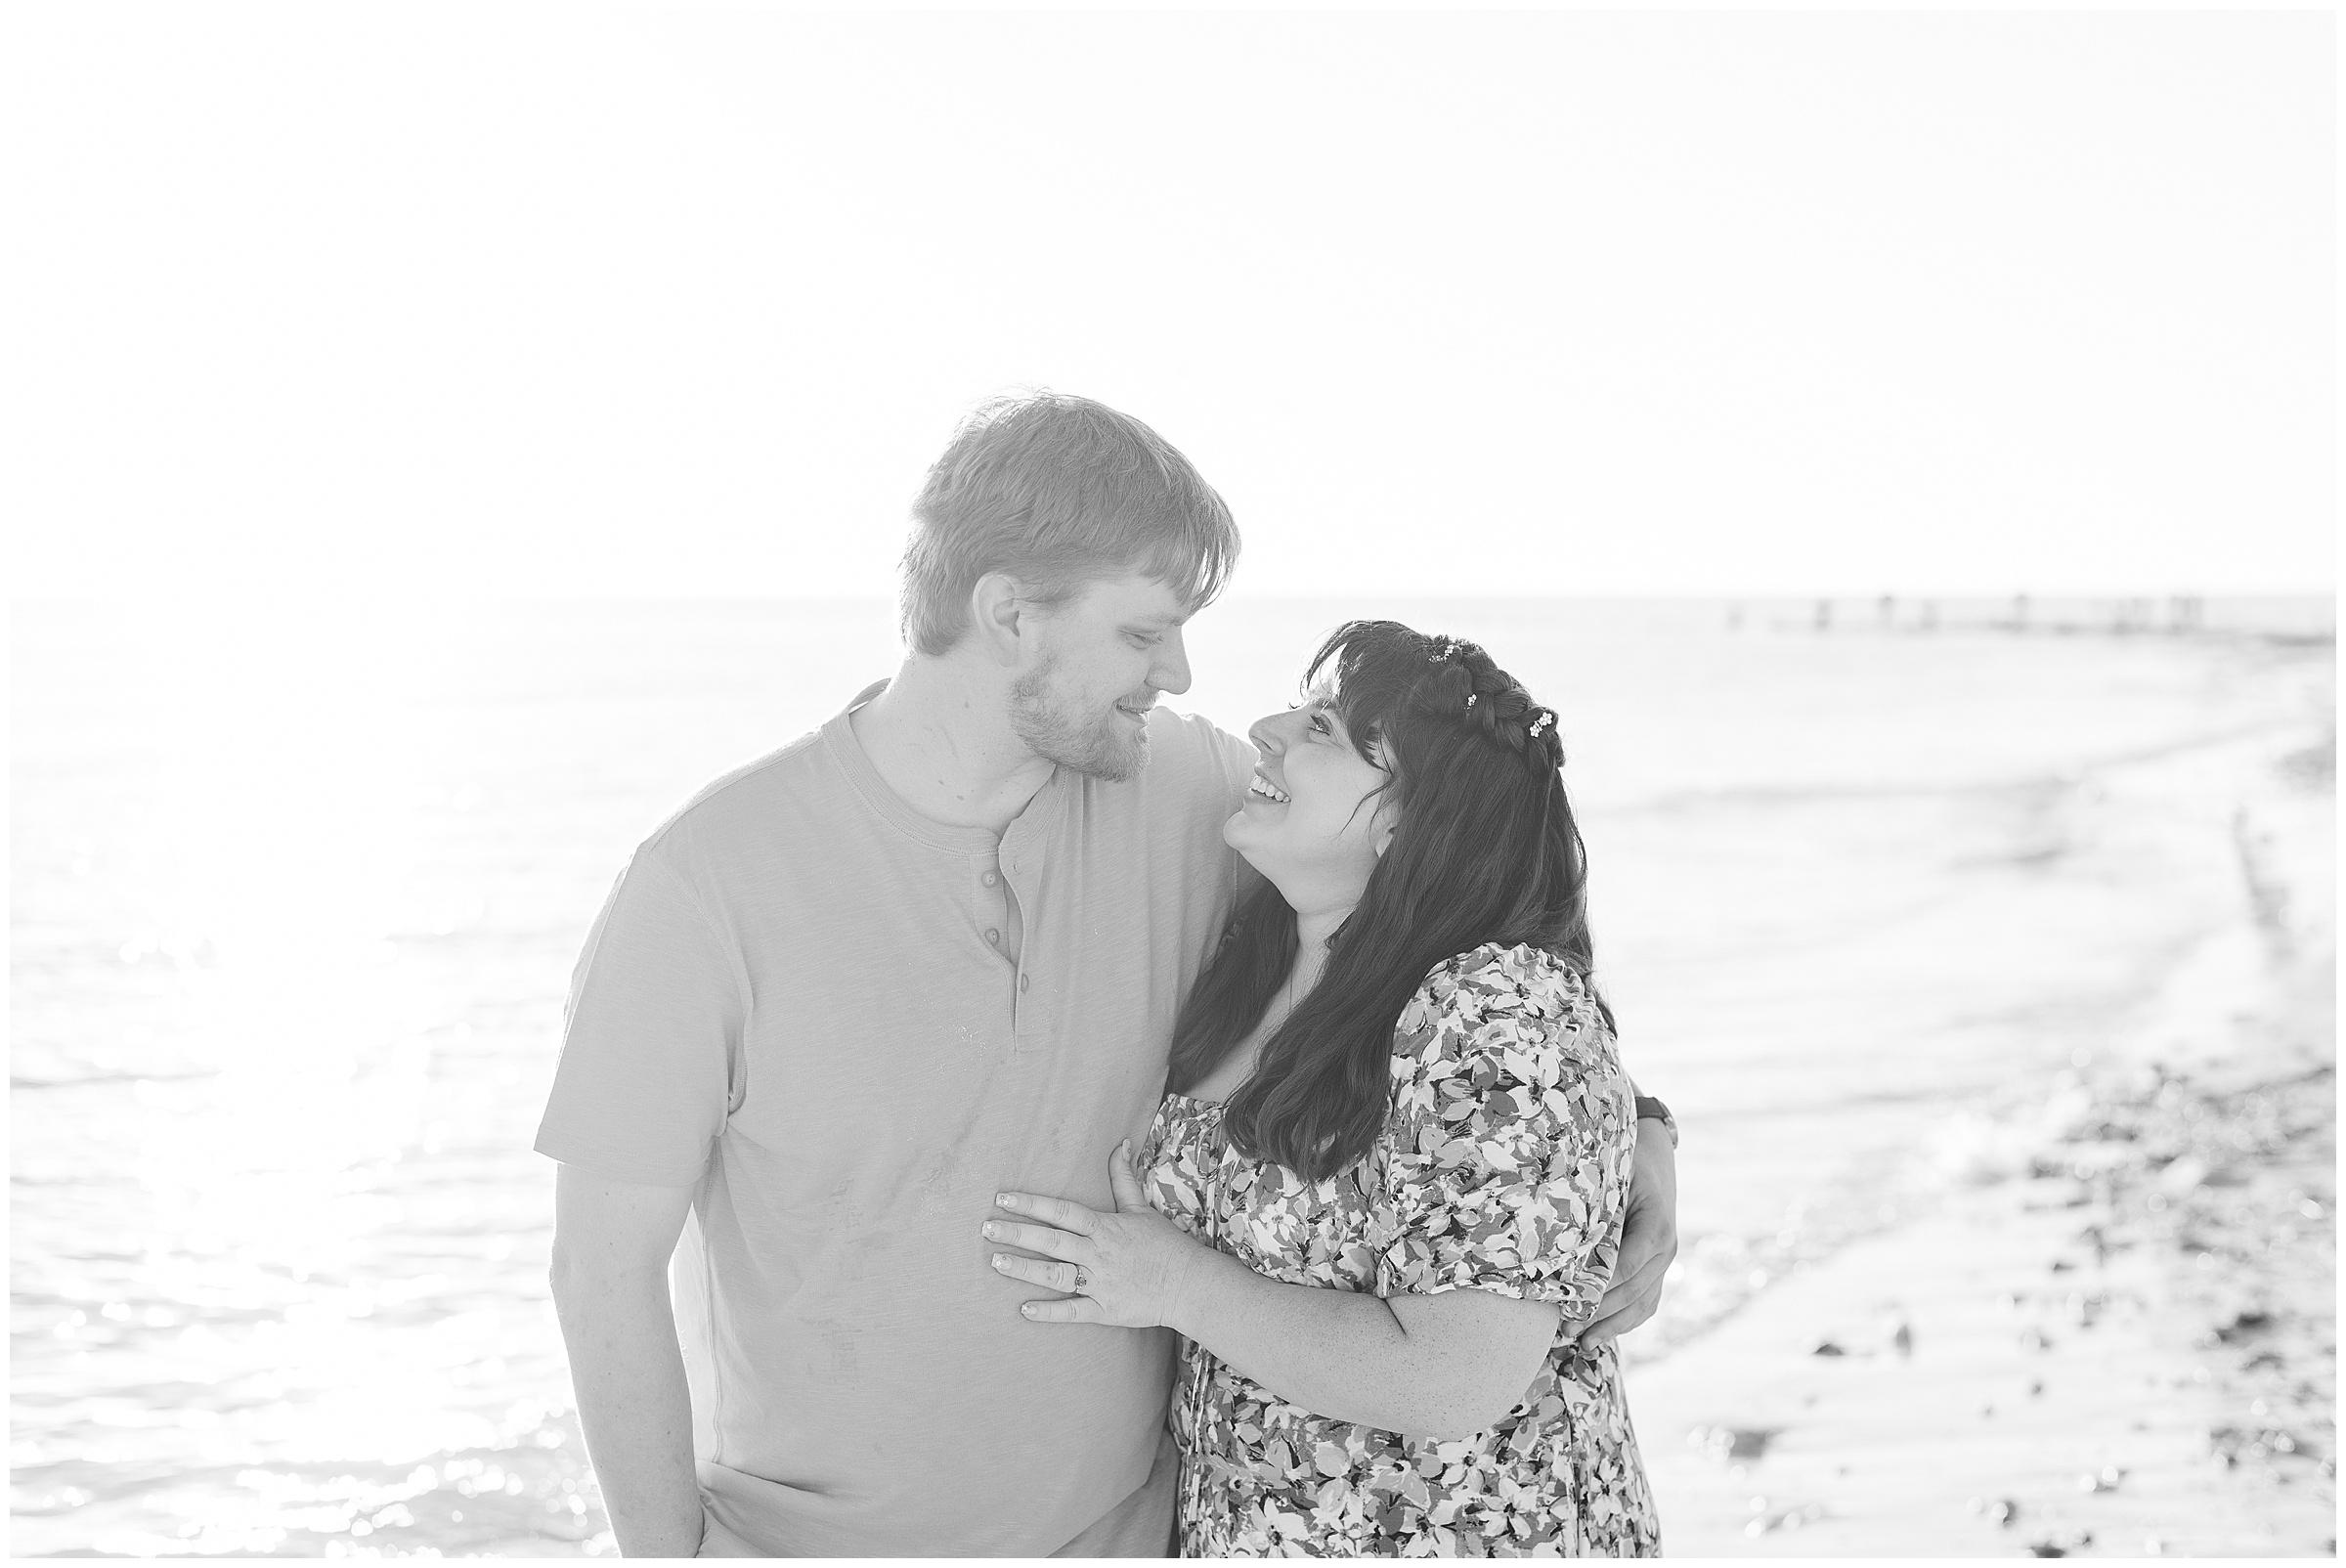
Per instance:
(1260,787)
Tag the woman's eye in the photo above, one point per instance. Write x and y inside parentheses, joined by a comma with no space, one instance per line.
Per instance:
(1322,726)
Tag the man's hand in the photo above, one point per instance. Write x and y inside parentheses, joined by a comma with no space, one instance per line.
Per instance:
(1649,1239)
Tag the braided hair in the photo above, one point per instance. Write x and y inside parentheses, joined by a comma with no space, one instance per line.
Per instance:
(1494,702)
(1485,849)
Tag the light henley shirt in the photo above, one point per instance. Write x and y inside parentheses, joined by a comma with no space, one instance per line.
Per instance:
(798,1000)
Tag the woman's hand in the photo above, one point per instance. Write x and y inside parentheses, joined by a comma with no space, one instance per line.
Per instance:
(1127,1269)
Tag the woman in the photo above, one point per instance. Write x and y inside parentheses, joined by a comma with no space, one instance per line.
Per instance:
(1385,1189)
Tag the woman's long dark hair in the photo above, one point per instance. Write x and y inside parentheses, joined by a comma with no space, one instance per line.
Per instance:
(1484,850)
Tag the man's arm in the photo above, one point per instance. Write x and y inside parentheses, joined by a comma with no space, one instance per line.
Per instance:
(1649,1238)
(612,1242)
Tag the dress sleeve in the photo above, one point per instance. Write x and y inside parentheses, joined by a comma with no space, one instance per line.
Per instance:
(1509,1148)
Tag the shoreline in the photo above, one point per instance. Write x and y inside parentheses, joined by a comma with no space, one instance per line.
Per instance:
(2100,1315)
(1810,847)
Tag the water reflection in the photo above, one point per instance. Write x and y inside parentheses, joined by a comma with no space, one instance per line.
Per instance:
(296,897)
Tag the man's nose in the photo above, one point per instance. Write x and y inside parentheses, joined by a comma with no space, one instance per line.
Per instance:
(1171,671)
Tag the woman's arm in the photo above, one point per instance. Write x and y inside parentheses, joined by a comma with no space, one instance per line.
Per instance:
(1433,1366)
(1497,1215)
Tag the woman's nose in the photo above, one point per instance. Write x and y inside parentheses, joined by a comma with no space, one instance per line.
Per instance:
(1265,733)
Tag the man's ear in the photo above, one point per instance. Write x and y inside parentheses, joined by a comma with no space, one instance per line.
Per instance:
(998,613)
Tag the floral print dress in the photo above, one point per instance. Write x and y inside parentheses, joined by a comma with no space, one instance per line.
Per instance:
(1504,1165)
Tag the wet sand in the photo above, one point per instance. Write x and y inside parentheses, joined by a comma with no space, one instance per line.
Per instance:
(2108,1325)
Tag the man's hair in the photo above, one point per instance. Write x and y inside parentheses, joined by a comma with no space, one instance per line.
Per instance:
(1058,492)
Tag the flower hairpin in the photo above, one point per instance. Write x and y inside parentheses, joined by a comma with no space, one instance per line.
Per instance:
(1539,723)
(1470,696)
(1443,647)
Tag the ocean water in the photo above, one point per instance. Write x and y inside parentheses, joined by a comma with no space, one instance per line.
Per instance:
(296,893)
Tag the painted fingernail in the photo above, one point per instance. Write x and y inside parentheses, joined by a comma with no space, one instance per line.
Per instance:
(1001,1262)
(991,1232)
(1029,1309)
(1005,1201)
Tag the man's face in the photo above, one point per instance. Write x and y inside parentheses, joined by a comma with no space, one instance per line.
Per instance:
(1101,659)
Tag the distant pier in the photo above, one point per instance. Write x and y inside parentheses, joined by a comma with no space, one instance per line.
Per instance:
(2297,620)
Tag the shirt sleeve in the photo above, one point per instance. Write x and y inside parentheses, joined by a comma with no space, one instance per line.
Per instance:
(1510,1140)
(1200,770)
(1238,759)
(651,1036)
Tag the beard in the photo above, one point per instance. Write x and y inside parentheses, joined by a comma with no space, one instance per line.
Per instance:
(1054,727)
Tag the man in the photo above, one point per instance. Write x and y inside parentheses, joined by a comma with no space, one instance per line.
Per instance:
(928,952)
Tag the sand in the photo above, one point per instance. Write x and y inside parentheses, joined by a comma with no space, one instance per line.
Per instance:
(2108,1326)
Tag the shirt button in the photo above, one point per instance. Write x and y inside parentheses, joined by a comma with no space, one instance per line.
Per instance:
(1022,979)
(992,936)
(991,878)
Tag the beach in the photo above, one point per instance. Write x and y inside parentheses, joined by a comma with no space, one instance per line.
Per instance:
(2105,1322)
(1987,969)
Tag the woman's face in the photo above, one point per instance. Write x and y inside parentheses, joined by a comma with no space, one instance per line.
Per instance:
(1314,820)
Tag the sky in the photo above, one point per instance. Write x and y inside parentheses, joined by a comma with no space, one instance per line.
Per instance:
(587,301)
